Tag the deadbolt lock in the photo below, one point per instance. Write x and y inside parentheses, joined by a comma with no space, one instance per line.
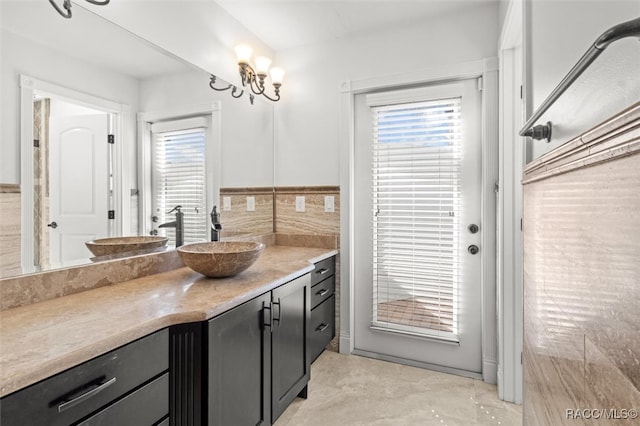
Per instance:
(473,228)
(473,249)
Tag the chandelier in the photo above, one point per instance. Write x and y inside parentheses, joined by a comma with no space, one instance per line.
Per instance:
(252,77)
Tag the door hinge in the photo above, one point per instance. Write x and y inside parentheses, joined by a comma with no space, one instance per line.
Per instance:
(480,87)
(521,224)
(36,143)
(521,94)
(111,139)
(111,214)
(496,187)
(521,358)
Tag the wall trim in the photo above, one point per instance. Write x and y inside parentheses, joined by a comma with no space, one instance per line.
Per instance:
(30,85)
(9,188)
(509,236)
(211,110)
(306,189)
(486,68)
(617,137)
(247,190)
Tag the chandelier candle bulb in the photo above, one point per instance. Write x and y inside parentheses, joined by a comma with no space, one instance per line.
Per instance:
(277,74)
(243,53)
(262,65)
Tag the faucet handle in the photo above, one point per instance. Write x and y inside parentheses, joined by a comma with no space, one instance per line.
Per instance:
(176,208)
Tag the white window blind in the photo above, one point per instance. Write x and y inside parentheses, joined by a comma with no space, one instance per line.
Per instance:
(416,202)
(179,177)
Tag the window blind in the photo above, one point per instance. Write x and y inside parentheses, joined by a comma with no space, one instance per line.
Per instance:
(416,203)
(179,179)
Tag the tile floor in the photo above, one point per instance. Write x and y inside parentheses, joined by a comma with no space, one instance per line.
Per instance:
(353,390)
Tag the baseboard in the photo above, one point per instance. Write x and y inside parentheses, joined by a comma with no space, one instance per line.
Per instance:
(490,371)
(345,344)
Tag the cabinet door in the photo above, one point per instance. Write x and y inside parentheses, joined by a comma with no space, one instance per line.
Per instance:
(290,355)
(239,361)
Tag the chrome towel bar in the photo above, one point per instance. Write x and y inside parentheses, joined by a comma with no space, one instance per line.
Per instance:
(615,33)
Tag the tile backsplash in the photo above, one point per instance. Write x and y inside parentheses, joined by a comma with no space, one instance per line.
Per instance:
(278,210)
(10,226)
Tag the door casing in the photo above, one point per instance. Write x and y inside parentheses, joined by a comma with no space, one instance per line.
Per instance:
(487,69)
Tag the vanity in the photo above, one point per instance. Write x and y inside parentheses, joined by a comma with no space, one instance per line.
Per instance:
(170,348)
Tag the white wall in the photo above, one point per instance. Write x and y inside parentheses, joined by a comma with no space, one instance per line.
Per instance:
(198,31)
(557,35)
(307,117)
(247,130)
(21,56)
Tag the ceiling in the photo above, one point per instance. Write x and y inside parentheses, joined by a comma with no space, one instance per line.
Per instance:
(285,24)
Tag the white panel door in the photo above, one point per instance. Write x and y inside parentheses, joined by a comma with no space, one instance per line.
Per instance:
(79,179)
(399,324)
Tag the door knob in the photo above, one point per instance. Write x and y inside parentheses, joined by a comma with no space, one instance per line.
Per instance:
(52,225)
(473,249)
(473,228)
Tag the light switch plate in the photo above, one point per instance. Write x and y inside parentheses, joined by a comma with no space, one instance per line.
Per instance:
(251,204)
(226,203)
(300,203)
(329,204)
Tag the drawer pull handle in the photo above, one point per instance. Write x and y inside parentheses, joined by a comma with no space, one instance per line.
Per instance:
(322,292)
(322,327)
(322,271)
(86,395)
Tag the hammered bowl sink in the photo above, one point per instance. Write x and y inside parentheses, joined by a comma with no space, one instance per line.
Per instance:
(115,245)
(220,259)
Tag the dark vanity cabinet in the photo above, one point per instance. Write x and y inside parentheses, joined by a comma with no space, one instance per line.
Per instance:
(127,386)
(239,365)
(323,304)
(257,357)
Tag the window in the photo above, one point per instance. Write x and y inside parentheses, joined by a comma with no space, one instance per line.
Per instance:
(179,176)
(416,203)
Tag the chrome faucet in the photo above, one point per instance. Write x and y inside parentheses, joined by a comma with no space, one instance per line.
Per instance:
(178,224)
(216,226)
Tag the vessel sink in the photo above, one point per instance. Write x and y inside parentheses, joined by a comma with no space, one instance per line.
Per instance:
(220,259)
(115,245)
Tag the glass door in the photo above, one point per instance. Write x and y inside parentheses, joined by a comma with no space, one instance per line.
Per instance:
(418,204)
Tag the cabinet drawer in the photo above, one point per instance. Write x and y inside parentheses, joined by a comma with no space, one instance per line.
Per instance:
(322,291)
(75,393)
(322,327)
(144,407)
(323,270)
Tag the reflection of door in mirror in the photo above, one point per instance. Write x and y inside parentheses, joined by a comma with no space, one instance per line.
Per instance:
(71,180)
(178,177)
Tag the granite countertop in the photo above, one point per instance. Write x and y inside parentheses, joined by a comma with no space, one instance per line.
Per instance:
(45,338)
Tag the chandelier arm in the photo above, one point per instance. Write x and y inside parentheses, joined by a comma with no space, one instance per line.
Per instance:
(234,90)
(221,89)
(66,5)
(99,3)
(258,90)
(275,99)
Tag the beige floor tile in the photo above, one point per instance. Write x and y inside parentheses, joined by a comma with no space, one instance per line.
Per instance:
(352,390)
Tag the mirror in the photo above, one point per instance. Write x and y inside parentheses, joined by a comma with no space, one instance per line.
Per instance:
(89,69)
